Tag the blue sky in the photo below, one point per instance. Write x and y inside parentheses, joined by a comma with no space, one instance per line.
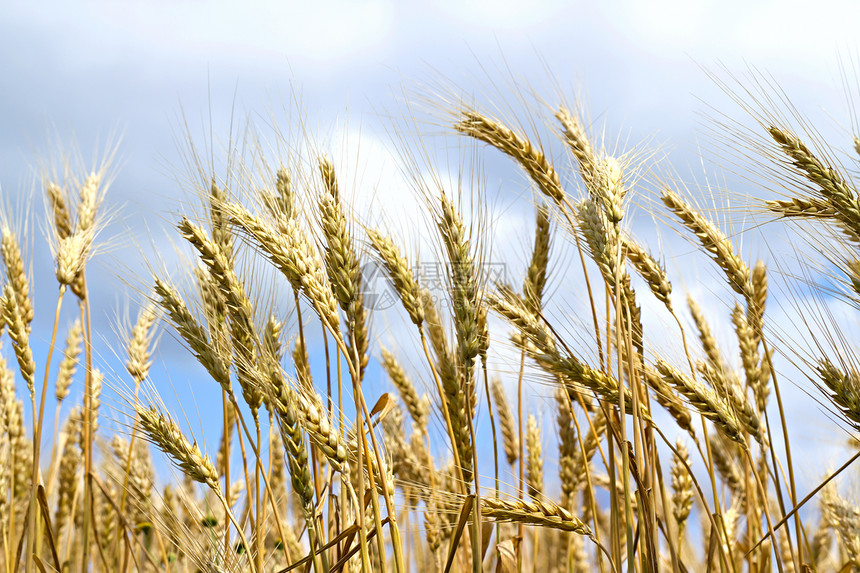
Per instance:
(86,70)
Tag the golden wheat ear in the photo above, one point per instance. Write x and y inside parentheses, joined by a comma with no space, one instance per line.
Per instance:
(400,274)
(713,241)
(534,459)
(510,439)
(419,408)
(531,159)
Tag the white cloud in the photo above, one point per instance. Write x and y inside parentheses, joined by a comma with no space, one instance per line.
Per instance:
(329,33)
(502,14)
(784,34)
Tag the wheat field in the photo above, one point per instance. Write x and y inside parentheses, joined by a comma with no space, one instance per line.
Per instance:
(647,448)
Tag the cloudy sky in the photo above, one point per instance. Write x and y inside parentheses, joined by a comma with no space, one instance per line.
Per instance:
(152,72)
